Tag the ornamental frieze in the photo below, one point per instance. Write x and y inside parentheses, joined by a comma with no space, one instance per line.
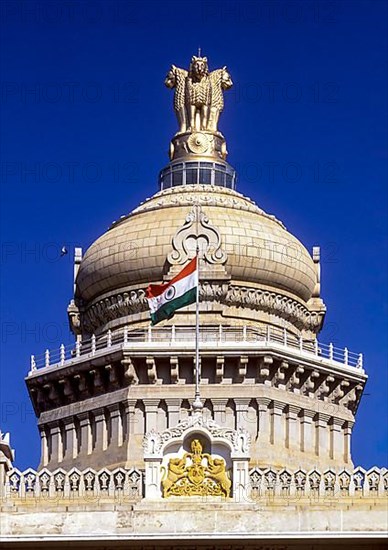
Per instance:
(133,302)
(213,197)
(239,439)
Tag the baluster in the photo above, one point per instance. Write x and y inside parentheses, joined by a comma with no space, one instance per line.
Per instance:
(77,348)
(346,356)
(47,358)
(316,347)
(360,361)
(149,333)
(125,335)
(109,339)
(331,351)
(93,344)
(33,363)
(173,333)
(62,354)
(300,343)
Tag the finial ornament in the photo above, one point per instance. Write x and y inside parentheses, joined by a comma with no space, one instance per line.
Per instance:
(198,103)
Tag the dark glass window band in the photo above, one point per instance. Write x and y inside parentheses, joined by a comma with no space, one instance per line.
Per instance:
(191,173)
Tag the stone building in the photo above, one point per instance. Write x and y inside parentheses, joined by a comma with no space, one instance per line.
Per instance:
(124,454)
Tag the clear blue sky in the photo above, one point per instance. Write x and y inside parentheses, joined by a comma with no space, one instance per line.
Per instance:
(83,103)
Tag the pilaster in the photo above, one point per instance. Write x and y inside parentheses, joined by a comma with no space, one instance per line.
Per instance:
(292,428)
(277,431)
(129,417)
(100,432)
(116,425)
(86,443)
(336,439)
(348,427)
(43,446)
(70,438)
(56,442)
(151,413)
(263,404)
(322,435)
(307,431)
(173,410)
(241,404)
(219,410)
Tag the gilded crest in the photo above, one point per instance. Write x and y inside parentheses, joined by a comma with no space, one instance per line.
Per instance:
(196,474)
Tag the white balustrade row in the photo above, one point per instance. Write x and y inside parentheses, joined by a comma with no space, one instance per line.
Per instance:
(73,483)
(247,335)
(318,483)
(128,483)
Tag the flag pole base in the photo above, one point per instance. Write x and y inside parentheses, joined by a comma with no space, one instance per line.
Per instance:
(197,404)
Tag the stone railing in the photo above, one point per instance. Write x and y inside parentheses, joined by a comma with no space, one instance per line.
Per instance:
(317,483)
(127,484)
(120,483)
(184,337)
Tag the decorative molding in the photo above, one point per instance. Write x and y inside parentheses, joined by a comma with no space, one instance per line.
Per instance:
(203,195)
(197,230)
(239,439)
(132,302)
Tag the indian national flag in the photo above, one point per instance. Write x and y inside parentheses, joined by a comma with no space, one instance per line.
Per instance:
(181,291)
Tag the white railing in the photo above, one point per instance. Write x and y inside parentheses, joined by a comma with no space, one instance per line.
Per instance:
(178,336)
(60,483)
(122,483)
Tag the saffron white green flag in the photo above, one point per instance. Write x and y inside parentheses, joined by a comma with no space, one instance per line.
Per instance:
(181,291)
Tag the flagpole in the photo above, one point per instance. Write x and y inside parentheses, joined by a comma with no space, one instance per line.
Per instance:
(197,404)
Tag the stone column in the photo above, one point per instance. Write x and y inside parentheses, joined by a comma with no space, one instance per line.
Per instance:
(307,431)
(336,439)
(173,410)
(116,423)
(240,480)
(292,428)
(86,443)
(241,404)
(277,430)
(56,442)
(71,439)
(348,426)
(129,418)
(100,433)
(219,410)
(44,458)
(264,419)
(322,435)
(152,477)
(151,413)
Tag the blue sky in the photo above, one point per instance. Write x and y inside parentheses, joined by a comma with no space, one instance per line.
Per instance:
(84,106)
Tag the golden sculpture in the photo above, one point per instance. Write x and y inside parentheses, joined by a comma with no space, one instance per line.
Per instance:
(196,474)
(198,99)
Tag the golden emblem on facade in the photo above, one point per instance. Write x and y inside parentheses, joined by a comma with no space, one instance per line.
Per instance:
(196,474)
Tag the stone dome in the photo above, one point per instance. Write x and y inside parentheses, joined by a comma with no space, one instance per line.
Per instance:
(245,249)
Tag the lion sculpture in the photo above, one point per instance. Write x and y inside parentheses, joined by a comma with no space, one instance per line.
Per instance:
(198,98)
